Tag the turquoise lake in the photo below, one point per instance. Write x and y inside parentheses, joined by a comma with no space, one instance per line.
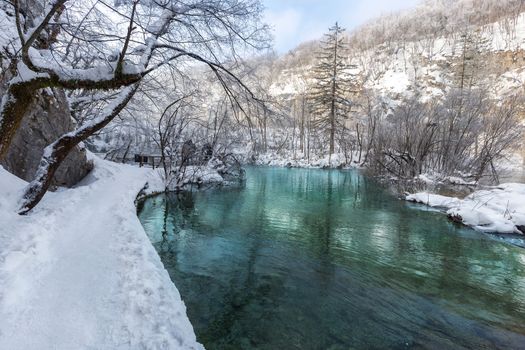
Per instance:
(318,259)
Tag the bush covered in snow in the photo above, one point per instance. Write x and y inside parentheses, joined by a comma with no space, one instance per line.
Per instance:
(219,170)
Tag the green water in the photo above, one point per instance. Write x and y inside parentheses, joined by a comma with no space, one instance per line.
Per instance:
(314,259)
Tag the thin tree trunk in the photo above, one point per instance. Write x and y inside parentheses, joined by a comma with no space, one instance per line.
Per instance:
(332,108)
(15,104)
(302,133)
(126,152)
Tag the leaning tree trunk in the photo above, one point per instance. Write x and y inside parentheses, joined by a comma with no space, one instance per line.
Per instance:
(20,95)
(53,156)
(55,153)
(15,104)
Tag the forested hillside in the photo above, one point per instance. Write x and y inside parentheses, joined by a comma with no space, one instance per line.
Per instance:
(457,65)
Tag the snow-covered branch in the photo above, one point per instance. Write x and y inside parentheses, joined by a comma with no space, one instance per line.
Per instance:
(56,152)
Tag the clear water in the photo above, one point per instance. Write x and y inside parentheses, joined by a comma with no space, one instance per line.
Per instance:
(314,259)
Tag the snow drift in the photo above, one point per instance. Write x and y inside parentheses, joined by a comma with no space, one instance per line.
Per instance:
(499,209)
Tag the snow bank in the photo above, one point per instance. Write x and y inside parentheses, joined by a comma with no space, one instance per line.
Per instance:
(80,273)
(287,159)
(498,210)
(437,178)
(433,200)
(218,171)
(200,175)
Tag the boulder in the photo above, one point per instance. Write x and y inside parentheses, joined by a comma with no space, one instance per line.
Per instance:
(47,119)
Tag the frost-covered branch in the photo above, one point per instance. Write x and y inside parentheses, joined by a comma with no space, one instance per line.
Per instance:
(56,7)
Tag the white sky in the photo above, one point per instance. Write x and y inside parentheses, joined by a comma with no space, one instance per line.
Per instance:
(296,21)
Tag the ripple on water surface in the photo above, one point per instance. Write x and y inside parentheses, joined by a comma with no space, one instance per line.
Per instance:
(312,259)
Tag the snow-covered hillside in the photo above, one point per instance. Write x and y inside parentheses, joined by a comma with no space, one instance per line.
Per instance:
(417,60)
(80,272)
(429,66)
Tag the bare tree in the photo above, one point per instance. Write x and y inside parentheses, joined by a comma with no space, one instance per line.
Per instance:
(170,126)
(70,45)
(441,137)
(502,131)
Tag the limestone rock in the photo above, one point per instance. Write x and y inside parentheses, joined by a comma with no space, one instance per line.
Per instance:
(47,119)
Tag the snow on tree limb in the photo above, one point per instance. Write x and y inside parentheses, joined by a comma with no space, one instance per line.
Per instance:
(56,152)
(210,22)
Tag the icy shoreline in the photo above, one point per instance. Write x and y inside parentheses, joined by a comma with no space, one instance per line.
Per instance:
(336,161)
(80,273)
(499,209)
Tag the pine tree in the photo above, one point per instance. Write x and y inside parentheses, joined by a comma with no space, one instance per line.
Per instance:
(333,83)
(469,65)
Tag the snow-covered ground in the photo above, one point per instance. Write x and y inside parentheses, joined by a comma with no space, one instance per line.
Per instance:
(287,159)
(80,273)
(500,209)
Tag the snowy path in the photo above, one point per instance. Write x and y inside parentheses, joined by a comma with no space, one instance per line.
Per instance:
(80,273)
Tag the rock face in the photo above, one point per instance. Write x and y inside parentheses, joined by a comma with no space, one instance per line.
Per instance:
(48,118)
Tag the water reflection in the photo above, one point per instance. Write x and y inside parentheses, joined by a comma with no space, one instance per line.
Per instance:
(310,259)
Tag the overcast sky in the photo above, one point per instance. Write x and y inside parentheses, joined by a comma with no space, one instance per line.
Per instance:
(296,21)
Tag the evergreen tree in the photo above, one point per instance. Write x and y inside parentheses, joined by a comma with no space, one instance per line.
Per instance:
(468,69)
(333,83)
